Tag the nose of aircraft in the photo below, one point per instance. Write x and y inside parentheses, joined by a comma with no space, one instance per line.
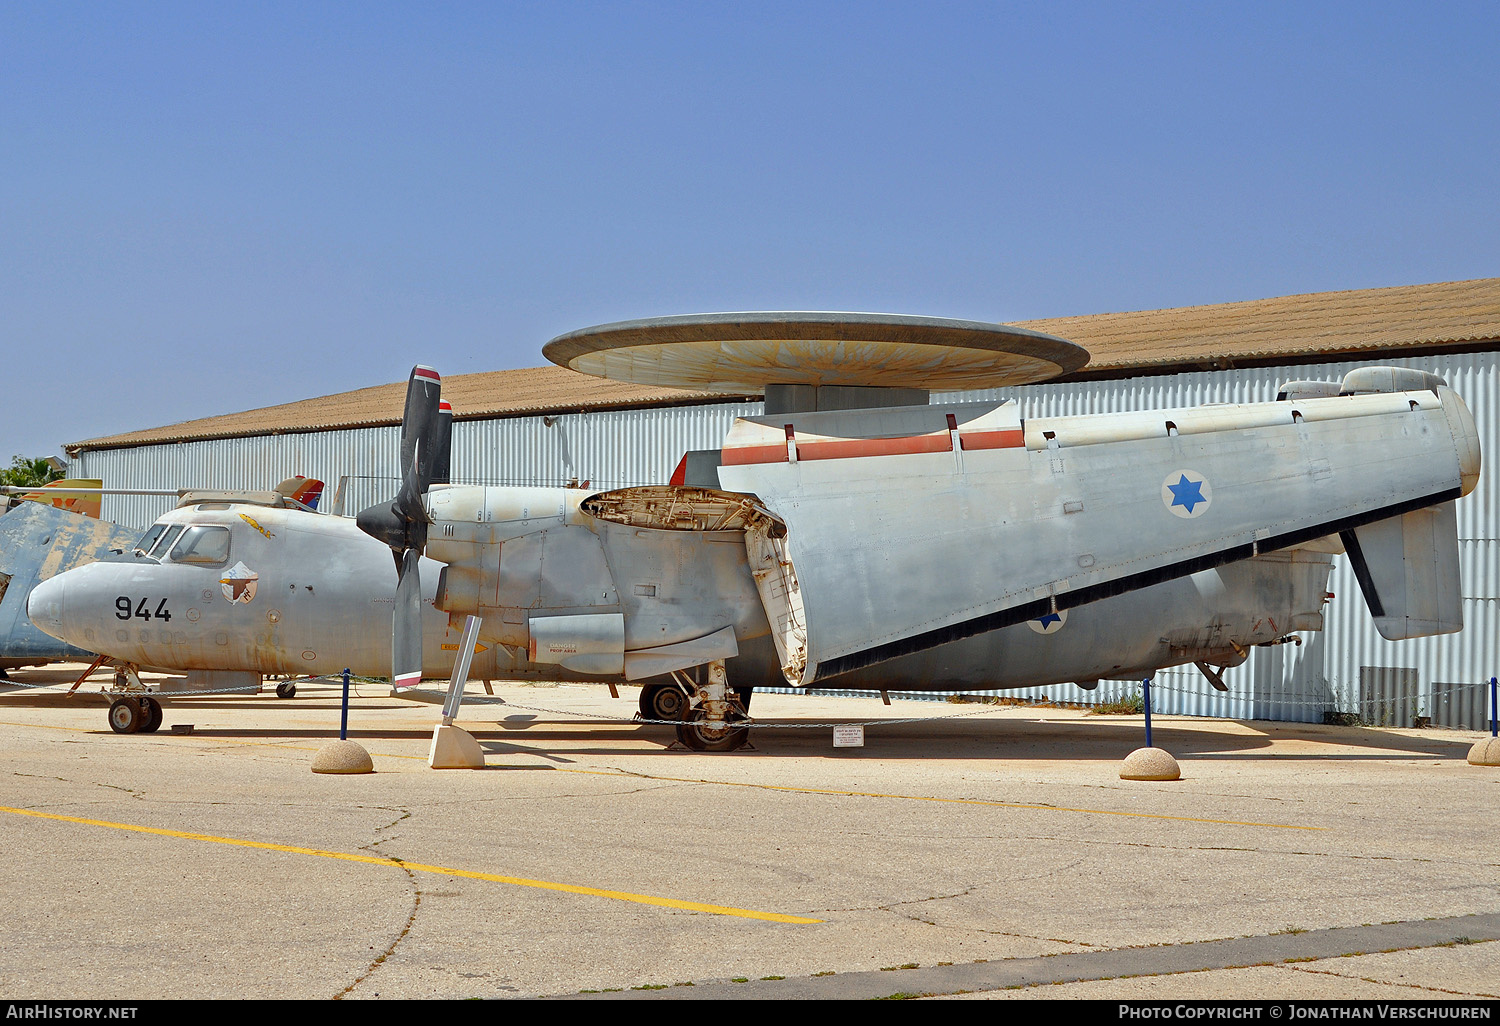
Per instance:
(45,606)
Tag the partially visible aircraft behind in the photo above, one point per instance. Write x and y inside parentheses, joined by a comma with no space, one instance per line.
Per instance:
(38,541)
(78,495)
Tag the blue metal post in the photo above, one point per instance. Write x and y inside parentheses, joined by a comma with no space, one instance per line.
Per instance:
(1146,692)
(1494,709)
(344,723)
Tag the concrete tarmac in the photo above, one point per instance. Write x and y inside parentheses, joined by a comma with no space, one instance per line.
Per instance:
(964,851)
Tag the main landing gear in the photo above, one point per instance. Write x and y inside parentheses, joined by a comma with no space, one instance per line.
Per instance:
(706,714)
(663,702)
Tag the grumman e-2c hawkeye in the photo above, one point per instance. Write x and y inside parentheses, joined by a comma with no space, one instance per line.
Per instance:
(908,546)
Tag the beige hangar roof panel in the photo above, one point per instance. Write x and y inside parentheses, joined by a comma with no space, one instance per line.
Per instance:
(1286,328)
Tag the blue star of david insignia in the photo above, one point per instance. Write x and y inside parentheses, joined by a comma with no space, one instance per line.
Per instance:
(1186,493)
(1049,620)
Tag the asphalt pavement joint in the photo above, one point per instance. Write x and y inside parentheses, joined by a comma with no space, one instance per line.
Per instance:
(1422,990)
(138,795)
(1279,950)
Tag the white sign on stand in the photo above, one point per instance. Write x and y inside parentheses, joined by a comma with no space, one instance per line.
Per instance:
(846,736)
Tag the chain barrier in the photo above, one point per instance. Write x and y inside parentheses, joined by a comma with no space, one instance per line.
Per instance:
(1371,709)
(1335,702)
(751,722)
(157,692)
(337,679)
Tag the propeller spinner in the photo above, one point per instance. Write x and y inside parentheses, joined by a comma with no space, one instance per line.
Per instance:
(402,522)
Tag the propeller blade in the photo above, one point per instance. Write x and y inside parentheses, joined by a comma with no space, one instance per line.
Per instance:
(405,638)
(419,425)
(394,522)
(409,510)
(442,445)
(406,633)
(402,523)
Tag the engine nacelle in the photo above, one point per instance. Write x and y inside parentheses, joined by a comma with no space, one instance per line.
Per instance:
(468,518)
(518,554)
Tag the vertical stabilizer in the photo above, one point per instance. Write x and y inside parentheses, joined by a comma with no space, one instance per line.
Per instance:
(1407,567)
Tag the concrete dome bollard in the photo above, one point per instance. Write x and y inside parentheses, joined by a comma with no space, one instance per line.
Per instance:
(1149,764)
(342,757)
(1486,752)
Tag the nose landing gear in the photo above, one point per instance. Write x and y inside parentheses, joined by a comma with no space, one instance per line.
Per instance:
(132,715)
(135,711)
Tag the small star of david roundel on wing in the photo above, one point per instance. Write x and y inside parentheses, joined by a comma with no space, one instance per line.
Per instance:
(1186,494)
(1049,624)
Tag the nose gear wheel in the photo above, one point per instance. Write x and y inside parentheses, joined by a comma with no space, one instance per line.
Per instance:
(132,715)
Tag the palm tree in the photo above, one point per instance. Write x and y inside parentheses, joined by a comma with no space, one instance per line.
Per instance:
(29,473)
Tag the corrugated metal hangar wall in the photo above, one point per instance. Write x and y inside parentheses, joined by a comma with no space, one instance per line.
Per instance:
(1346,668)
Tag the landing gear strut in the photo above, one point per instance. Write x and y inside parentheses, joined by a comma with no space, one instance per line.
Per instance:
(710,725)
(671,702)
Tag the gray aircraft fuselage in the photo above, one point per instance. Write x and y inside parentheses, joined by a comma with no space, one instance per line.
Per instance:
(295,593)
(300,593)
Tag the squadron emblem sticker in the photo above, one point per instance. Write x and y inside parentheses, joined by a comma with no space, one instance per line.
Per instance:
(1186,494)
(256,524)
(238,583)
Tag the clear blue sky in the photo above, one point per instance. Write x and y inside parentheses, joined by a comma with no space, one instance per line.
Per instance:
(212,207)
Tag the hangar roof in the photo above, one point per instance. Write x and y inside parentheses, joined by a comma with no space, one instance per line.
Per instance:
(1285,330)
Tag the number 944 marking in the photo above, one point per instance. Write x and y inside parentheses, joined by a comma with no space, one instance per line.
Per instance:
(124,610)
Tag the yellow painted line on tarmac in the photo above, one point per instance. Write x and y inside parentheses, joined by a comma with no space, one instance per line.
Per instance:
(951,801)
(375,860)
(47,726)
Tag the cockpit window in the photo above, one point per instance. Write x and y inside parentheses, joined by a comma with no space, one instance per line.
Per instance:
(202,545)
(164,541)
(149,538)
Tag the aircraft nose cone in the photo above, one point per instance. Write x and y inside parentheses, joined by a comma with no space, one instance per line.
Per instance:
(45,606)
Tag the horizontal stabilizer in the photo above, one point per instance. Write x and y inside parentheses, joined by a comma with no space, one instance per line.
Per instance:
(77,495)
(1407,567)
